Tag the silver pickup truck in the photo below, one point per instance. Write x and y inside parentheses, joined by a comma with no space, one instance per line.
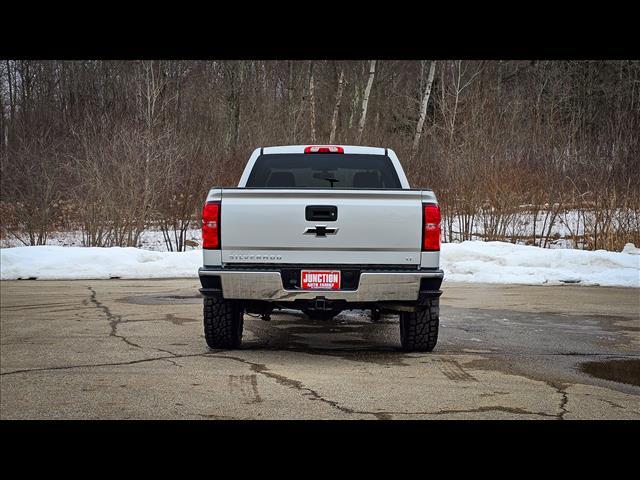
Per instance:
(321,229)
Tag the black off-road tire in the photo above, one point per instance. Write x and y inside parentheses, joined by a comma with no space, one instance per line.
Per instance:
(223,322)
(376,315)
(419,330)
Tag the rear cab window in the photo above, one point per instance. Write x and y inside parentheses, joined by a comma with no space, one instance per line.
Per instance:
(323,170)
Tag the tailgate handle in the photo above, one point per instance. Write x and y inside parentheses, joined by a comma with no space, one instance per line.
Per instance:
(326,213)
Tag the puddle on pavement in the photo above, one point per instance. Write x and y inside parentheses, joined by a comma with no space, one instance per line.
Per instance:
(321,329)
(621,371)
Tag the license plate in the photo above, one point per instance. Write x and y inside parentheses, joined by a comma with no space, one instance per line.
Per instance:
(320,279)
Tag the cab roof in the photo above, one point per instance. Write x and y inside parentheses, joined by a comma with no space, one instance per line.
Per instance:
(353,149)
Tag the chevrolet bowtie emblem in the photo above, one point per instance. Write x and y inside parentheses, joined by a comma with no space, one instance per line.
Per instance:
(320,231)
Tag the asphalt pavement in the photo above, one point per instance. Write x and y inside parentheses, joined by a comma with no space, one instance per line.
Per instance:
(119,349)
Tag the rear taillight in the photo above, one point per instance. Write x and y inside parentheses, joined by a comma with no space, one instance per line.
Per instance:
(323,149)
(431,228)
(211,225)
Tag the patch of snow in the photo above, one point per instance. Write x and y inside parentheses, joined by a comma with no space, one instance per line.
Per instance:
(470,261)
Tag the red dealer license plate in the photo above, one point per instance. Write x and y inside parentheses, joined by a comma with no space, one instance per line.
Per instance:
(320,279)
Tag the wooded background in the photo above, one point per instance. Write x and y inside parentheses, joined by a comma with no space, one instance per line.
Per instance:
(112,148)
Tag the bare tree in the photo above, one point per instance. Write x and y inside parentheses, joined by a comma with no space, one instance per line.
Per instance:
(423,110)
(336,107)
(365,99)
(457,83)
(312,104)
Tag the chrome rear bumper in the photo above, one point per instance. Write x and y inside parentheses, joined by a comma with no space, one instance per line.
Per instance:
(373,286)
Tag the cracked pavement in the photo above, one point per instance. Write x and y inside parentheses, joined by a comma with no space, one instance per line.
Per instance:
(119,349)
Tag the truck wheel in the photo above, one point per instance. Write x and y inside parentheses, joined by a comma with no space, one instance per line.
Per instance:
(419,330)
(223,322)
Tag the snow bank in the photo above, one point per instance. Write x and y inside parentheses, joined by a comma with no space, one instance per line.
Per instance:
(473,261)
(501,262)
(68,263)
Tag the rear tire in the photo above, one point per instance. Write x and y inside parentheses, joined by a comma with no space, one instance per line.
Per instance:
(419,330)
(223,322)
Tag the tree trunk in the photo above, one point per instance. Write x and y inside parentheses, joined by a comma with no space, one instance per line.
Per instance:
(336,108)
(236,106)
(312,104)
(423,109)
(290,112)
(12,105)
(365,98)
(354,104)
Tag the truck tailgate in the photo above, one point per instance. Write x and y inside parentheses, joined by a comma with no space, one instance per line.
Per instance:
(270,226)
